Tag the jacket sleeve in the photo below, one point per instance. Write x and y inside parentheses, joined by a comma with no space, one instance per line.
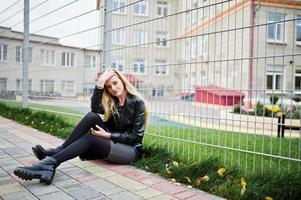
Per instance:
(136,134)
(96,104)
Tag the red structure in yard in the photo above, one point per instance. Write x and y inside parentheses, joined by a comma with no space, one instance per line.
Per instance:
(133,79)
(217,95)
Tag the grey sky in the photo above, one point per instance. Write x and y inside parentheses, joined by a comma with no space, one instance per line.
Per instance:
(76,7)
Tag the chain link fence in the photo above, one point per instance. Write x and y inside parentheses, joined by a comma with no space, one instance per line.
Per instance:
(221,78)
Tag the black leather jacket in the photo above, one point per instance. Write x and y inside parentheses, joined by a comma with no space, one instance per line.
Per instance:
(129,126)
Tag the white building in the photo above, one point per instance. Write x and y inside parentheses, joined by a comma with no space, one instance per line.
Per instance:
(54,69)
(228,46)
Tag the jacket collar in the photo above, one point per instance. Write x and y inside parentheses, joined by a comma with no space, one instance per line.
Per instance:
(129,100)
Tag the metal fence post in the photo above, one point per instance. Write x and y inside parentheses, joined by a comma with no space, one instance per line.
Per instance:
(107,35)
(25,56)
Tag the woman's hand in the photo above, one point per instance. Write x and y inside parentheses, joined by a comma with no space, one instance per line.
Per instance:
(102,78)
(100,132)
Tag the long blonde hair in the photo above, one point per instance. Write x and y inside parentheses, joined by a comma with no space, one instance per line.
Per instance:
(110,106)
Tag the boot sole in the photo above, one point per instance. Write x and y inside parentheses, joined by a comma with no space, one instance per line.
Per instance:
(27,174)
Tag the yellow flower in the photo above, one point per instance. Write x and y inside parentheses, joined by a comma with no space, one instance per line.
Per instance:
(197,182)
(205,178)
(169,172)
(175,163)
(189,186)
(187,179)
(274,108)
(243,184)
(173,180)
(243,189)
(221,171)
(268,198)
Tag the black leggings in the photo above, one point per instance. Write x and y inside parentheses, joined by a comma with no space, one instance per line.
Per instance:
(79,142)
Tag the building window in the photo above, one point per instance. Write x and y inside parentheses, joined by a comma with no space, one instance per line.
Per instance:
(161,39)
(276,30)
(162,8)
(298,29)
(3,84)
(68,59)
(3,52)
(202,47)
(140,8)
(19,54)
(68,88)
(275,77)
(158,92)
(161,68)
(119,6)
(88,88)
(118,63)
(194,47)
(20,85)
(195,12)
(118,37)
(90,61)
(47,57)
(298,80)
(139,66)
(140,37)
(47,86)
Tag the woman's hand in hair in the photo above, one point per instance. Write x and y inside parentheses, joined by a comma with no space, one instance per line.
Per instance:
(102,78)
(100,132)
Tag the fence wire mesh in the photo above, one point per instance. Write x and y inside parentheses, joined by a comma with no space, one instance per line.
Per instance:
(221,78)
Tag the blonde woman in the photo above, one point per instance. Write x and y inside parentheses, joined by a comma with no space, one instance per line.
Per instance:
(117,137)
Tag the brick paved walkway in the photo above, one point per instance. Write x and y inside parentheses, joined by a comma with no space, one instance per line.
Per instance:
(77,179)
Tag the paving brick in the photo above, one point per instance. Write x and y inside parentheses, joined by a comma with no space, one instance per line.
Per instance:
(28,162)
(199,197)
(185,194)
(105,174)
(5,144)
(126,183)
(65,165)
(2,173)
(60,176)
(87,178)
(137,175)
(25,195)
(148,193)
(75,172)
(125,196)
(84,164)
(68,184)
(4,180)
(55,196)
(11,188)
(163,197)
(84,193)
(94,169)
(122,169)
(210,196)
(169,188)
(41,189)
(112,191)
(100,198)
(152,180)
(100,185)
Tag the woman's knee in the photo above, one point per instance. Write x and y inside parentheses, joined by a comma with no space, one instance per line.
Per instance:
(92,117)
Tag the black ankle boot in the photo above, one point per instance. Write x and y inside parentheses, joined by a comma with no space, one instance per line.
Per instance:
(43,170)
(41,153)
